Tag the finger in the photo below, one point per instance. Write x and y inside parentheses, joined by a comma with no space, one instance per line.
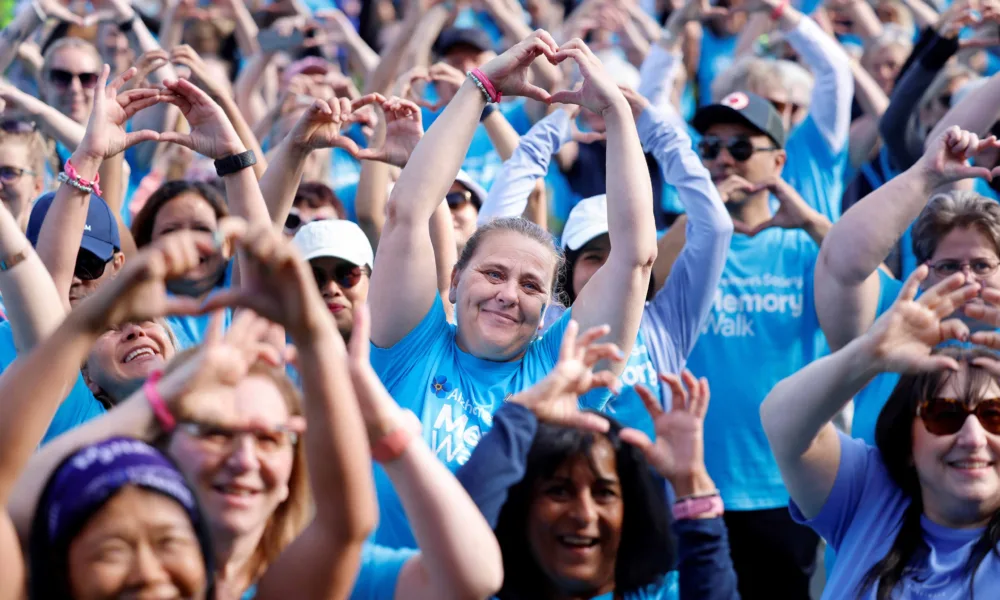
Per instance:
(912,284)
(677,390)
(366,100)
(592,335)
(937,363)
(291,355)
(596,353)
(138,105)
(213,334)
(137,137)
(182,305)
(983,313)
(969,172)
(636,438)
(232,298)
(265,353)
(566,97)
(938,291)
(650,401)
(587,422)
(954,329)
(567,350)
(741,227)
(359,346)
(700,406)
(952,301)
(691,385)
(119,81)
(177,100)
(605,379)
(181,139)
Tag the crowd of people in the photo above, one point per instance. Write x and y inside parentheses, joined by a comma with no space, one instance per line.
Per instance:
(390,299)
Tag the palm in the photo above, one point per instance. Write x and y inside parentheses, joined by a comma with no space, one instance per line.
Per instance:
(907,336)
(206,130)
(324,134)
(401,137)
(679,446)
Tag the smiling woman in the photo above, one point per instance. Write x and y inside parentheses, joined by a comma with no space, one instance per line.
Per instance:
(124,356)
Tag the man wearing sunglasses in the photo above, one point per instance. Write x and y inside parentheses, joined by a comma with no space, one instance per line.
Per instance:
(761,328)
(341,259)
(99,258)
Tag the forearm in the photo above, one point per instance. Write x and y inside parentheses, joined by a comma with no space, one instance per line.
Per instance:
(629,191)
(656,78)
(757,25)
(114,184)
(340,467)
(426,32)
(281,180)
(52,122)
(30,298)
(817,226)
(704,566)
(923,14)
(445,249)
(501,134)
(508,196)
(381,78)
(246,29)
(537,210)
(459,551)
(370,199)
(62,231)
(366,59)
(866,23)
(244,131)
(245,89)
(15,33)
(868,93)
(171,28)
(244,197)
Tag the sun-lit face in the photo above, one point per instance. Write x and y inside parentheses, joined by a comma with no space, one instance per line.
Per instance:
(575,522)
(124,356)
(190,212)
(344,287)
(883,64)
(240,478)
(140,544)
(501,294)
(959,473)
(762,165)
(18,194)
(75,99)
(968,249)
(464,217)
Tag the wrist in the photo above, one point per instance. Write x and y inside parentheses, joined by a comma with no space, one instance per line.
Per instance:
(695,483)
(87,163)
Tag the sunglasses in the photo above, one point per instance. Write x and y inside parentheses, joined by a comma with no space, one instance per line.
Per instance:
(64,79)
(89,266)
(345,275)
(740,148)
(294,222)
(18,126)
(12,174)
(458,198)
(946,416)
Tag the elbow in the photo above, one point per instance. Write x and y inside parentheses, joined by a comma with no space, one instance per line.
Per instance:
(484,578)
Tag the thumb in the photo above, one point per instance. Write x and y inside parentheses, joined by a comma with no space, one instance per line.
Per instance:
(965,172)
(136,137)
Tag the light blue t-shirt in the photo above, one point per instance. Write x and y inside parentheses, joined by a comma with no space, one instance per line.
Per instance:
(667,590)
(762,328)
(717,54)
(860,520)
(869,401)
(79,406)
(454,394)
(380,567)
(814,170)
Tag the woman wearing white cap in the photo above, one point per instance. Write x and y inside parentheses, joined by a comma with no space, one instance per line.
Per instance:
(455,377)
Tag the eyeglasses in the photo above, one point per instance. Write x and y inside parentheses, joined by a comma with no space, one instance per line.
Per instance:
(294,222)
(64,79)
(981,267)
(945,100)
(458,198)
(89,266)
(740,148)
(219,439)
(18,126)
(345,275)
(946,416)
(12,174)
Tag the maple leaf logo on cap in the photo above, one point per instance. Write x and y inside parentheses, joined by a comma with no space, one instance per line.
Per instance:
(736,101)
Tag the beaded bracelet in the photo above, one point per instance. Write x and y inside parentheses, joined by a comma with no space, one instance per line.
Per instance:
(84,185)
(485,86)
(64,178)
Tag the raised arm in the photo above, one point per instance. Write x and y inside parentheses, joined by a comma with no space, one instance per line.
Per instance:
(50,121)
(615,295)
(32,16)
(459,556)
(797,413)
(847,284)
(405,262)
(62,230)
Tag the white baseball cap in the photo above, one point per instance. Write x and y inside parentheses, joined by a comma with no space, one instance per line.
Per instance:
(587,220)
(335,239)
(478,191)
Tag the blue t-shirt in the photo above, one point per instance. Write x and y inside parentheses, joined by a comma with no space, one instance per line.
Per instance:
(762,328)
(377,577)
(77,408)
(717,54)
(815,170)
(190,329)
(453,393)
(667,590)
(869,401)
(860,520)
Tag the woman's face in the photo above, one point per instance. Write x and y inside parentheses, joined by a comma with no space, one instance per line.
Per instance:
(575,522)
(959,473)
(190,212)
(965,246)
(501,294)
(934,111)
(884,63)
(124,356)
(141,544)
(240,478)
(592,257)
(74,97)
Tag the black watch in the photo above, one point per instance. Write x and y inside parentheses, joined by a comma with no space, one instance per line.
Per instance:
(126,26)
(487,111)
(235,163)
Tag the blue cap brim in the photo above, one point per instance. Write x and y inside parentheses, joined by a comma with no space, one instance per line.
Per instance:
(99,248)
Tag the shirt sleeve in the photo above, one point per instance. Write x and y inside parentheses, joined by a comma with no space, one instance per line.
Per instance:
(705,567)
(656,80)
(856,471)
(508,196)
(499,460)
(392,364)
(833,92)
(380,567)
(681,306)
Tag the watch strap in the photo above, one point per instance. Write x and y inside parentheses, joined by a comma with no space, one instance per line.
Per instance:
(235,163)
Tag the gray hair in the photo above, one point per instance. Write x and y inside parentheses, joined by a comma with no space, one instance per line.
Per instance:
(948,211)
(517,225)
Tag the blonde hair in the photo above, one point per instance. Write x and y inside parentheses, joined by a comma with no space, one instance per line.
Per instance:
(35,144)
(291,516)
(751,73)
(70,43)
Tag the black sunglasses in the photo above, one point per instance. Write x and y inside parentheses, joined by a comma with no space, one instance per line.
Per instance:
(89,266)
(458,198)
(64,79)
(18,126)
(345,275)
(740,148)
(294,222)
(12,174)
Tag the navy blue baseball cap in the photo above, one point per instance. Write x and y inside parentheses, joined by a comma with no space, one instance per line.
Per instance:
(100,235)
(743,108)
(462,36)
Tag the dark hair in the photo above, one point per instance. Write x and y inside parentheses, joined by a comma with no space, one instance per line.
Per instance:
(567,295)
(49,560)
(316,194)
(518,225)
(646,552)
(894,440)
(142,225)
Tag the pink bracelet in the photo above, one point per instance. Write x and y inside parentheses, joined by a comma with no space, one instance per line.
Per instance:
(166,420)
(70,171)
(705,506)
(491,91)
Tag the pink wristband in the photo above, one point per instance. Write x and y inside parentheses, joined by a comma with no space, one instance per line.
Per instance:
(70,171)
(166,420)
(779,10)
(494,95)
(706,506)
